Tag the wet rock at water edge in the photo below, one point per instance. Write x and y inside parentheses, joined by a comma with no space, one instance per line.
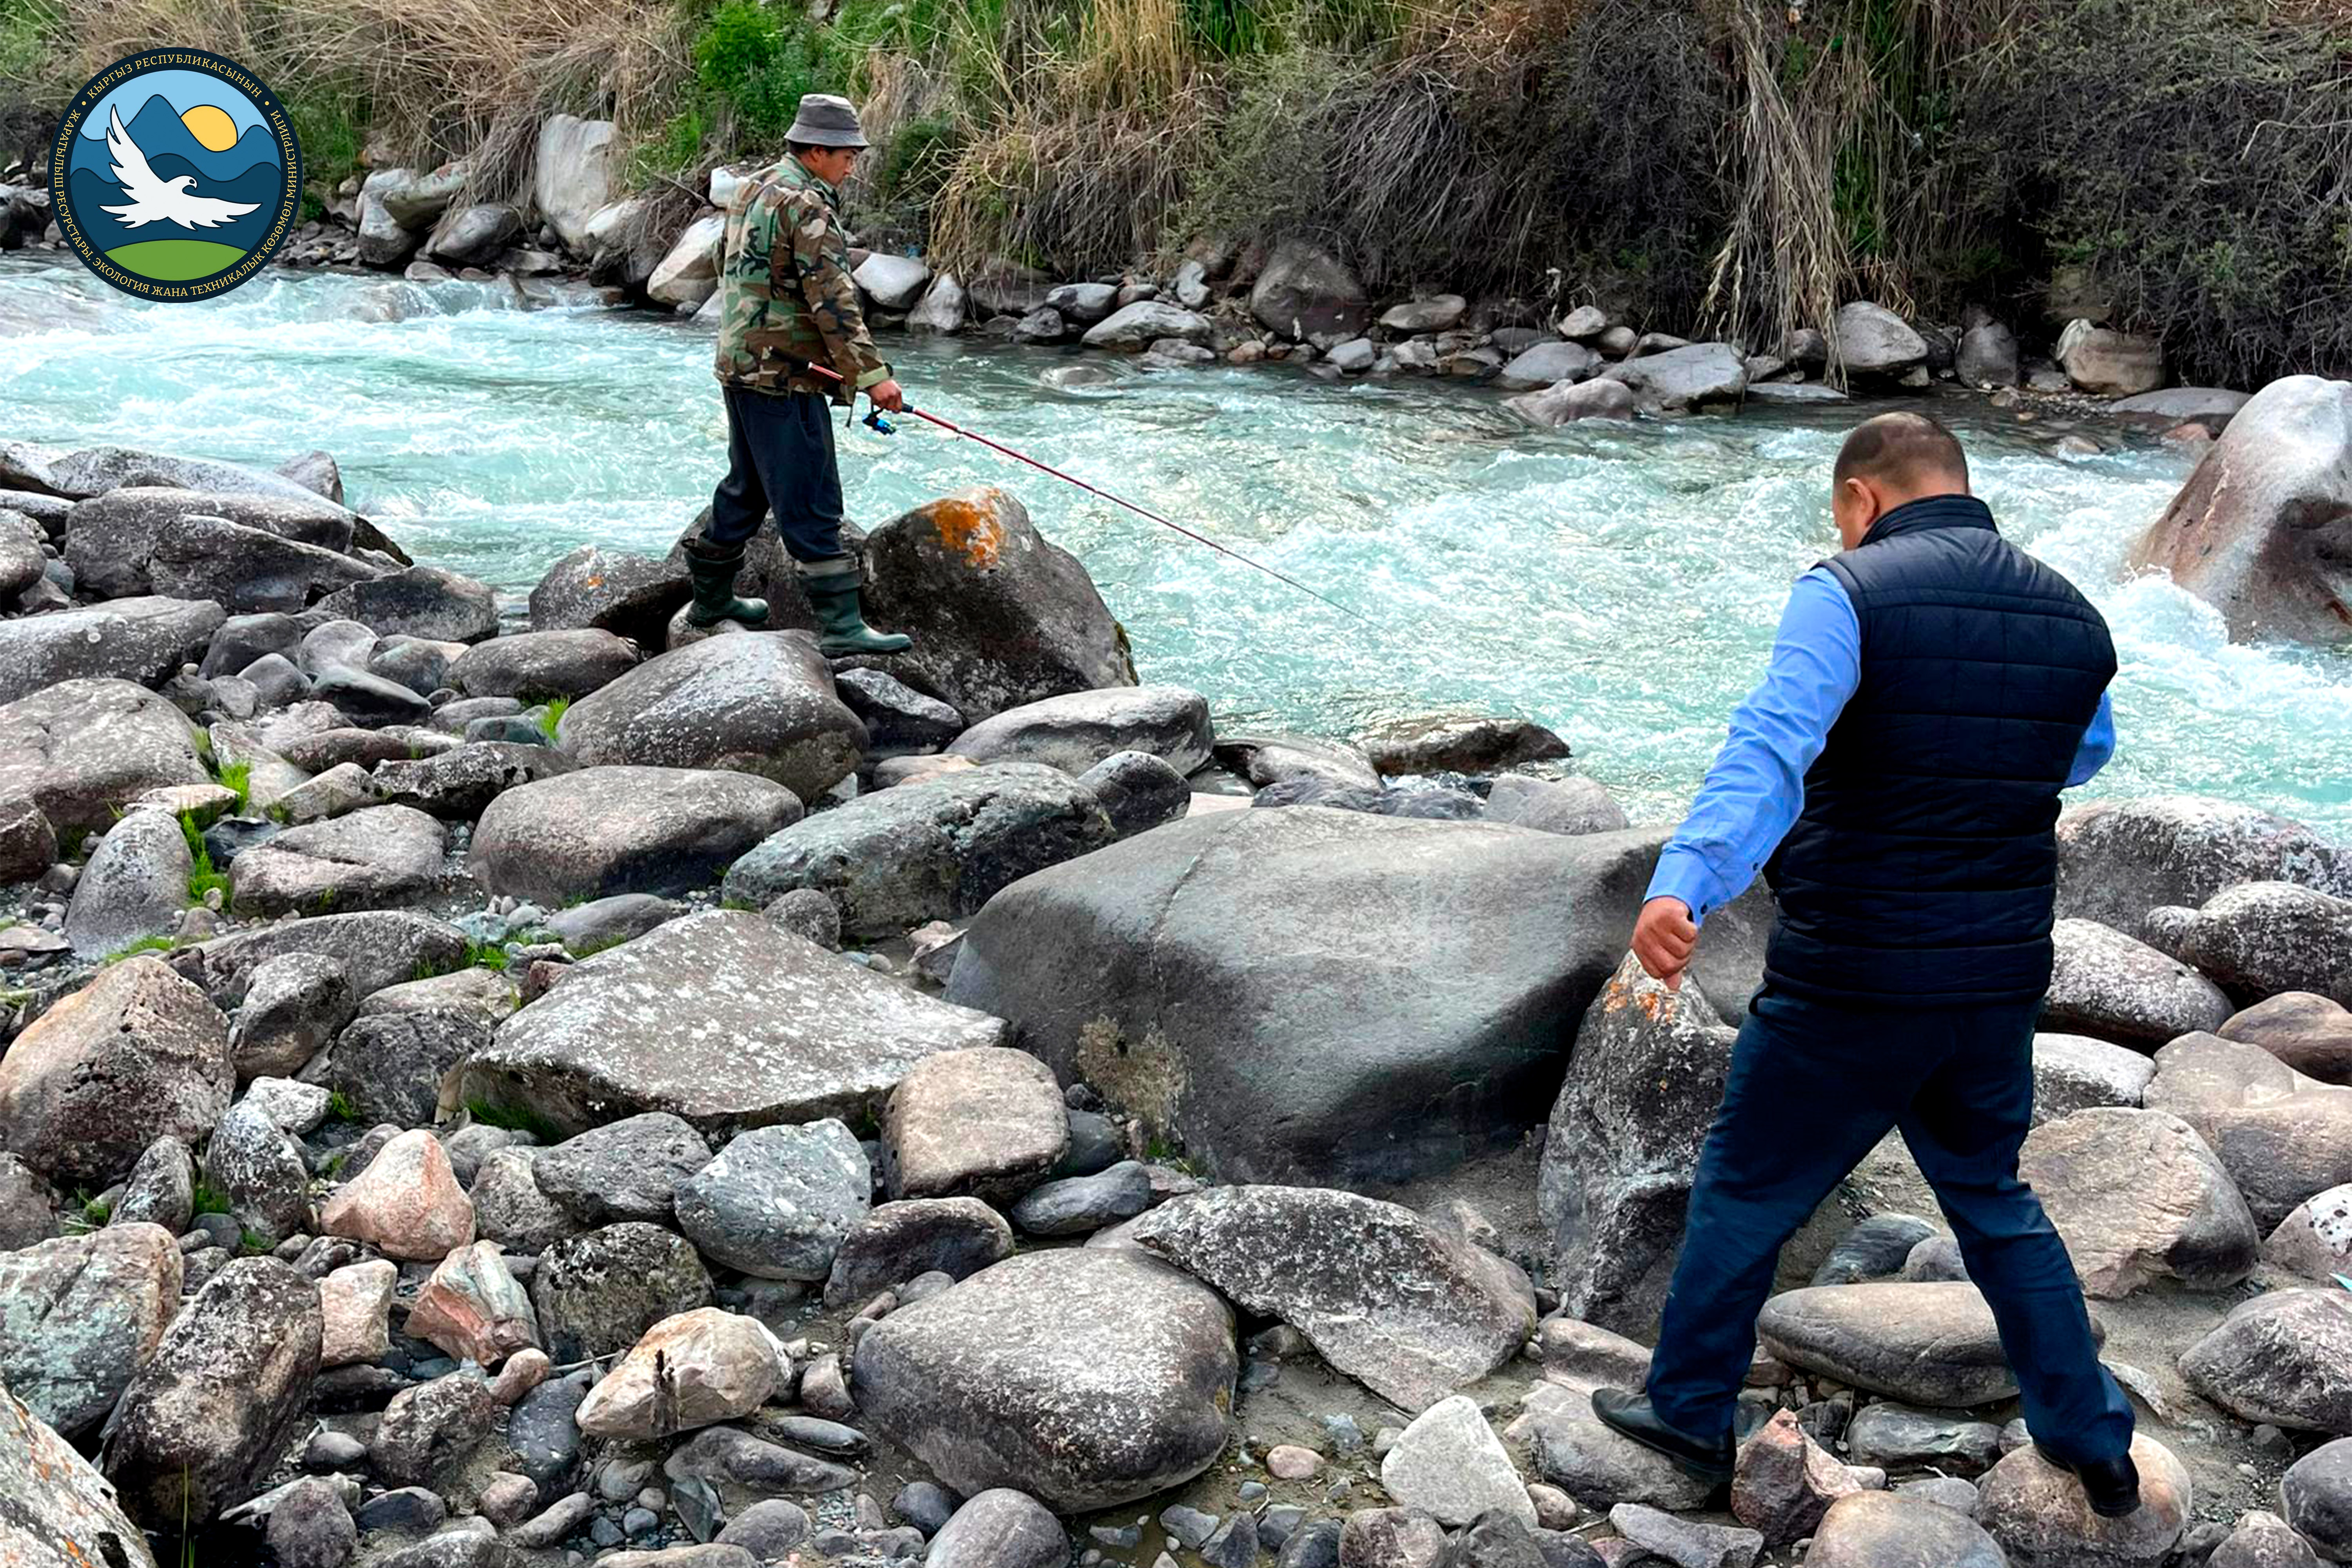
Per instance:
(777,1202)
(596,1294)
(786,1032)
(1091,1378)
(1075,731)
(2118,860)
(1408,1310)
(205,1417)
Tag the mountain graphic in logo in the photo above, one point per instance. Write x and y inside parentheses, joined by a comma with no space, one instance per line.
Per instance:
(175,174)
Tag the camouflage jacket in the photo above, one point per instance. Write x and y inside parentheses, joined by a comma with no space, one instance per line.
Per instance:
(785,291)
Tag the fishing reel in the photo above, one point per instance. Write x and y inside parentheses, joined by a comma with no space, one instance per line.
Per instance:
(877,422)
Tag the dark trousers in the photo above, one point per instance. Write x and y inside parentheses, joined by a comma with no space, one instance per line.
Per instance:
(779,457)
(1812,1088)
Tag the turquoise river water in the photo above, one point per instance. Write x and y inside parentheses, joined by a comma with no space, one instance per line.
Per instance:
(1620,584)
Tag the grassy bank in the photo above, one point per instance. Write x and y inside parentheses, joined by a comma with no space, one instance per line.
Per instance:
(1725,166)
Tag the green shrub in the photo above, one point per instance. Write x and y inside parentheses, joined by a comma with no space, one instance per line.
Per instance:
(237,777)
(144,944)
(340,1107)
(551,715)
(515,1118)
(209,1199)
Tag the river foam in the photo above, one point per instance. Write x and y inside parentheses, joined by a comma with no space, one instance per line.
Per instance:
(1619,583)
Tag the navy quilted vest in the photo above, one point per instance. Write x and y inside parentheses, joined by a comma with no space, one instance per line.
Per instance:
(1923,866)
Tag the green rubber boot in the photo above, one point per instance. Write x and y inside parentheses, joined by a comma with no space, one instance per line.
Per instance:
(841,621)
(712,568)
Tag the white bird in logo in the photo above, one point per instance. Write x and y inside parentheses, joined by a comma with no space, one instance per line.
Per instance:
(154,200)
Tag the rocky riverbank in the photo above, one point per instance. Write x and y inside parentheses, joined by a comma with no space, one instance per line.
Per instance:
(577,236)
(484,1096)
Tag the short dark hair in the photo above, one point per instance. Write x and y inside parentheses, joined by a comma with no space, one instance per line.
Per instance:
(1908,450)
(801,149)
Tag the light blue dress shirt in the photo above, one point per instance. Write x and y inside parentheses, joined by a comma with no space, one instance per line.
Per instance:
(1756,790)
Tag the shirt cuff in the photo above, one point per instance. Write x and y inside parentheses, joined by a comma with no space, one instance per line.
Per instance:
(1682,873)
(875,378)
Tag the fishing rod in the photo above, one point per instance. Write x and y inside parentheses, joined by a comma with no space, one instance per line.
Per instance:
(875,421)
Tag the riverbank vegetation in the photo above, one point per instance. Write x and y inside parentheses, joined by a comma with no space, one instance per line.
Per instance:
(2182,166)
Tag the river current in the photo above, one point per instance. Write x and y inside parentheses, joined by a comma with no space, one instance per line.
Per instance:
(1620,584)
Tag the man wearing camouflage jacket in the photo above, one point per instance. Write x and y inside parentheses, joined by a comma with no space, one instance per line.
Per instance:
(787,303)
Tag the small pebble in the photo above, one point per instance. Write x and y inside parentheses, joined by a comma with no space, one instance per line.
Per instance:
(1289,1462)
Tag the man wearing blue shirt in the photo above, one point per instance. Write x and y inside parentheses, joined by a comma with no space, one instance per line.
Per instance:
(1895,779)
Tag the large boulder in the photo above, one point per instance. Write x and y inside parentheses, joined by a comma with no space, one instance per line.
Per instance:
(96,470)
(621,830)
(2118,859)
(79,1315)
(1644,1082)
(2281,1136)
(1304,291)
(1148,322)
(2116,988)
(2262,529)
(893,283)
(1874,340)
(61,1512)
(133,887)
(2136,1196)
(1924,1343)
(247,570)
(375,948)
(783,1031)
(80,749)
(1075,731)
(2260,939)
(937,850)
(1418,1017)
(2316,1496)
(1548,363)
(999,615)
(1409,1310)
(136,1054)
(756,702)
(2284,1357)
(111,540)
(419,602)
(572,176)
(1687,377)
(379,856)
(2110,363)
(2039,1516)
(1088,1378)
(213,1409)
(2075,1072)
(597,589)
(142,639)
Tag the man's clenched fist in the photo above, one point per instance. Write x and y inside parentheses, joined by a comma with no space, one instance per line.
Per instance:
(1663,940)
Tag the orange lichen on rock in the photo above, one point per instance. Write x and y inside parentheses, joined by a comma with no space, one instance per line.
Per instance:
(968,525)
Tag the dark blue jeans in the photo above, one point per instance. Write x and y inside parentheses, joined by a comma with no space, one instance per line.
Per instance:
(1814,1087)
(779,457)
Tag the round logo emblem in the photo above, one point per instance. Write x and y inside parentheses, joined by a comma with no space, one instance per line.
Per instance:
(175,174)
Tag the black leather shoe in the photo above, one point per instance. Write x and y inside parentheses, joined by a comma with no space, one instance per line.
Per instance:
(2112,1486)
(1630,1415)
